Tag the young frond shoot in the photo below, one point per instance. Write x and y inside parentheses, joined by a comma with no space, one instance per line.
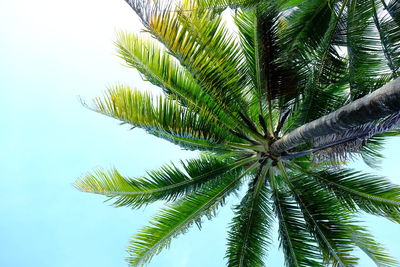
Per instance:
(279,101)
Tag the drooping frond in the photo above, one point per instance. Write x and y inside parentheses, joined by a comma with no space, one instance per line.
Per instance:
(326,219)
(160,116)
(298,245)
(311,42)
(249,235)
(370,193)
(371,152)
(373,46)
(365,241)
(340,146)
(178,217)
(269,75)
(167,183)
(157,66)
(382,103)
(244,20)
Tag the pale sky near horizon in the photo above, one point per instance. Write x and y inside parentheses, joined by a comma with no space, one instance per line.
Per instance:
(52,53)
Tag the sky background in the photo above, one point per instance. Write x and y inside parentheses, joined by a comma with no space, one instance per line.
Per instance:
(52,53)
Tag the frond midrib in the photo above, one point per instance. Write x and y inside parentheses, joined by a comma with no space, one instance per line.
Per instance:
(186,182)
(256,192)
(288,237)
(294,190)
(359,193)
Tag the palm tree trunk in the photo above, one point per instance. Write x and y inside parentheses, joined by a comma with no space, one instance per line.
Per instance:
(379,104)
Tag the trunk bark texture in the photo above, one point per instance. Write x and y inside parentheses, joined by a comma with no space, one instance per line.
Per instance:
(376,105)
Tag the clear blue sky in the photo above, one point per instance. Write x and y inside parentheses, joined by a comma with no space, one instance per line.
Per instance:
(51,53)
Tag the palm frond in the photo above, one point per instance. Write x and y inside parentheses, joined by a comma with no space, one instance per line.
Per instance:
(178,217)
(157,66)
(278,98)
(245,4)
(269,73)
(370,193)
(389,33)
(188,36)
(201,42)
(327,69)
(244,20)
(233,4)
(323,101)
(345,144)
(326,219)
(258,29)
(298,245)
(167,183)
(336,218)
(188,143)
(163,70)
(366,242)
(250,229)
(307,25)
(363,48)
(394,10)
(310,41)
(371,151)
(160,116)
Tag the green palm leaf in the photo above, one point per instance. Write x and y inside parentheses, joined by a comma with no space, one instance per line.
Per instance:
(371,193)
(327,69)
(298,245)
(363,47)
(258,29)
(203,36)
(389,32)
(178,217)
(263,98)
(223,4)
(337,219)
(306,26)
(164,71)
(159,115)
(371,152)
(250,231)
(394,10)
(373,249)
(326,219)
(167,183)
(244,4)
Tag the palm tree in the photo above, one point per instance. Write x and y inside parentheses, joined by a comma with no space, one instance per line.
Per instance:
(279,102)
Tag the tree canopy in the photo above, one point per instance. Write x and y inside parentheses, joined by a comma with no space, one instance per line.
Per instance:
(278,101)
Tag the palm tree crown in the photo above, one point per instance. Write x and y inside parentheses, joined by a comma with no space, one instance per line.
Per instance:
(278,102)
